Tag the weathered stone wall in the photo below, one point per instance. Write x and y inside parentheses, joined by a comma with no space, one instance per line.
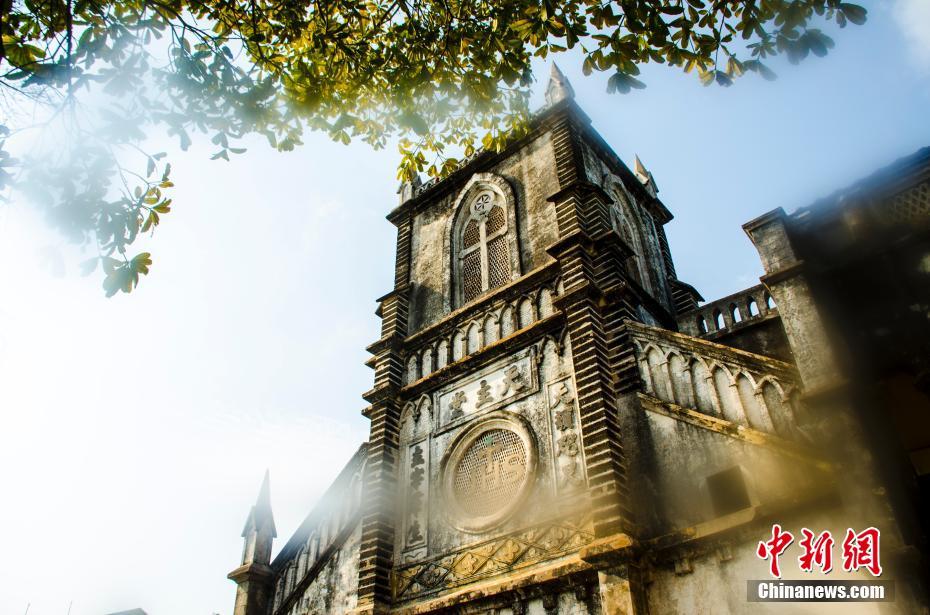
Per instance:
(532,387)
(765,336)
(530,172)
(323,550)
(685,455)
(561,603)
(335,587)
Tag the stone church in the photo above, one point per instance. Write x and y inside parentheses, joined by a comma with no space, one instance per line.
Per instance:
(559,424)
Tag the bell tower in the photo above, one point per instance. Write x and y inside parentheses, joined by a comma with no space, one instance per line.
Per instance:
(495,452)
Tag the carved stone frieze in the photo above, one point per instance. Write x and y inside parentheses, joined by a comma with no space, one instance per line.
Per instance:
(492,557)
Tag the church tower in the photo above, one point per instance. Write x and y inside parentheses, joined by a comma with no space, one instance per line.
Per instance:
(501,358)
(254,577)
(558,427)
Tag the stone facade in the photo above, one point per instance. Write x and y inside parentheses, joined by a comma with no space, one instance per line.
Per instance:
(558,427)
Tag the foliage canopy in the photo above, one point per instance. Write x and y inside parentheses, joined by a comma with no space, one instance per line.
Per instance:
(438,75)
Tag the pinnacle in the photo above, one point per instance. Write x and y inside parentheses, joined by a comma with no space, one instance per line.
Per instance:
(559,88)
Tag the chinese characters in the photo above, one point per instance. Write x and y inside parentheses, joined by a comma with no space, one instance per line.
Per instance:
(859,550)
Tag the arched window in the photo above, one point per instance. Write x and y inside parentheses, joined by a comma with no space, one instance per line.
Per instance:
(621,223)
(769,302)
(701,324)
(484,239)
(718,320)
(735,313)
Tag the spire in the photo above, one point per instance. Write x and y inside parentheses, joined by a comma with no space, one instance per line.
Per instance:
(254,577)
(259,531)
(645,177)
(559,88)
(261,514)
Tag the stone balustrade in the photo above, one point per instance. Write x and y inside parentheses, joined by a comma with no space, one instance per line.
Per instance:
(724,314)
(742,388)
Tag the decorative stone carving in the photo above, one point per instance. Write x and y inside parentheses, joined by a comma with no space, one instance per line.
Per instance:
(564,419)
(514,380)
(488,471)
(568,444)
(511,382)
(491,557)
(416,496)
(484,394)
(414,535)
(570,475)
(416,419)
(569,470)
(458,400)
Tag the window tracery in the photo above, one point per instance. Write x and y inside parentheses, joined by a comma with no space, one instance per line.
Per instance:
(484,241)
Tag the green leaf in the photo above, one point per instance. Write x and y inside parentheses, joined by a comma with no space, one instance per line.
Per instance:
(141,262)
(623,83)
(150,222)
(854,13)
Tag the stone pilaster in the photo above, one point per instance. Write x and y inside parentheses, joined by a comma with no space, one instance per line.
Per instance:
(789,287)
(591,258)
(620,590)
(377,542)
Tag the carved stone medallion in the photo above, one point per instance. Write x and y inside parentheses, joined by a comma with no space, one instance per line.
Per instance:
(489,470)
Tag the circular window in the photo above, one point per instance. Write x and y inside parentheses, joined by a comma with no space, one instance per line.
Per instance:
(488,471)
(482,203)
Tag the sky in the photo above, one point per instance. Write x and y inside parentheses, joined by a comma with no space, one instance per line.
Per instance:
(135,430)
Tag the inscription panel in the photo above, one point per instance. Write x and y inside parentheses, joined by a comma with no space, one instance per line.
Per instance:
(417,490)
(489,391)
(568,461)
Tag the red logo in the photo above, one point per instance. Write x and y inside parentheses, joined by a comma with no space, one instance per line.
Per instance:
(772,549)
(859,550)
(817,551)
